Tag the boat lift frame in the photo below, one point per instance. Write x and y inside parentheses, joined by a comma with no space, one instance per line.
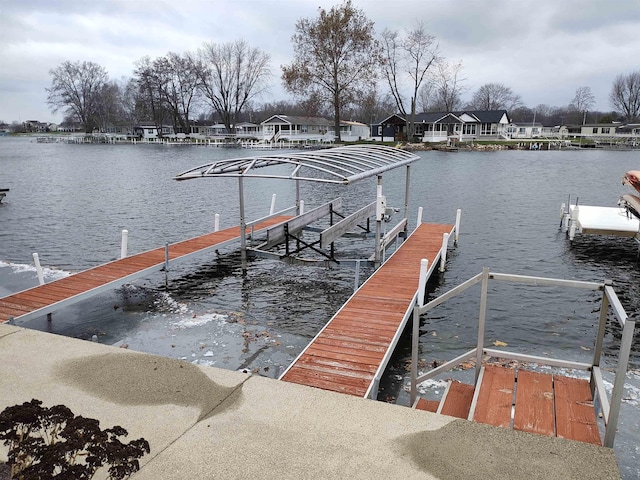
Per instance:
(339,165)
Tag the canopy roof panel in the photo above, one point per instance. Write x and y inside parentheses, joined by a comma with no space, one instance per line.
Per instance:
(342,165)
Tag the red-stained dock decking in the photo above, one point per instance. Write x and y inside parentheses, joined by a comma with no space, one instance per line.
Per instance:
(46,298)
(346,355)
(534,402)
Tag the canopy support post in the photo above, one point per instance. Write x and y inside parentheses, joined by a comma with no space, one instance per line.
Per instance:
(406,200)
(380,208)
(243,228)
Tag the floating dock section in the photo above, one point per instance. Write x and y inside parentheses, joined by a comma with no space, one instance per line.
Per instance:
(46,298)
(351,352)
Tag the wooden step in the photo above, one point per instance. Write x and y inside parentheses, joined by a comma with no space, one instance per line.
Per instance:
(427,405)
(494,398)
(575,414)
(456,400)
(544,404)
(534,403)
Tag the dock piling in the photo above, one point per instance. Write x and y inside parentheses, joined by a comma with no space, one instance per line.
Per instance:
(419,220)
(443,252)
(422,282)
(216,222)
(124,243)
(457,234)
(166,257)
(272,210)
(36,260)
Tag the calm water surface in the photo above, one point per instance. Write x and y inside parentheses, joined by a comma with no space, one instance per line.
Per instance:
(69,204)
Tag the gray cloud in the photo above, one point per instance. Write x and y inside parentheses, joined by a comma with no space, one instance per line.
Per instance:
(543,50)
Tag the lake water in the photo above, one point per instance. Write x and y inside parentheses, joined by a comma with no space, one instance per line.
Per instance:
(69,204)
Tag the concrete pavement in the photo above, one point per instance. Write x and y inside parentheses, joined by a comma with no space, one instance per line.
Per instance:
(204,422)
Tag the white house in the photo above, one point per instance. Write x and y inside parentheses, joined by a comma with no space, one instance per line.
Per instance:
(149,133)
(354,131)
(288,128)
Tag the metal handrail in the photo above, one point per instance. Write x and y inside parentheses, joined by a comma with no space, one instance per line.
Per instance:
(610,407)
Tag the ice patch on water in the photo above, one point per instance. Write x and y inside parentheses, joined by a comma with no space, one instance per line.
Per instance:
(48,273)
(166,303)
(198,321)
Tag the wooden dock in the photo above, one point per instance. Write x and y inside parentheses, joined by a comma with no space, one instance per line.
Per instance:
(44,299)
(346,355)
(523,400)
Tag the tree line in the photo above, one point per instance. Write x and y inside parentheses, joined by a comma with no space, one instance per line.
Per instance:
(341,68)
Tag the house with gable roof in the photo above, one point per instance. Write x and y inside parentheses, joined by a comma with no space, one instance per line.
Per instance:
(297,129)
(443,126)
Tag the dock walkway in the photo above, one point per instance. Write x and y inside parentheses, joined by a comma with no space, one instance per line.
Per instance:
(44,299)
(347,354)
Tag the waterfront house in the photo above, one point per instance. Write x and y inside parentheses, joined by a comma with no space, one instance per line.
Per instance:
(289,128)
(151,133)
(354,131)
(70,127)
(443,126)
(525,130)
(248,130)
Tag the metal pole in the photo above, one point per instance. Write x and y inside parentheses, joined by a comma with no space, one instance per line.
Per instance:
(602,324)
(618,384)
(379,215)
(297,196)
(414,355)
(482,320)
(243,228)
(406,198)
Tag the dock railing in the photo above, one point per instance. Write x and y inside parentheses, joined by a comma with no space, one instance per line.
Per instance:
(609,407)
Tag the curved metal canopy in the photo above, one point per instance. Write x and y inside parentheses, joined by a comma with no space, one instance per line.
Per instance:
(342,165)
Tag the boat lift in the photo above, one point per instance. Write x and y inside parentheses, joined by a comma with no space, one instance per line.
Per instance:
(340,165)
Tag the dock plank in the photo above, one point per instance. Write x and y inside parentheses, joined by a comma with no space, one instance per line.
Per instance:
(458,400)
(495,398)
(427,405)
(534,403)
(575,414)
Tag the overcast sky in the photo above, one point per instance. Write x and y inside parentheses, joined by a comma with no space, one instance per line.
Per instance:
(543,49)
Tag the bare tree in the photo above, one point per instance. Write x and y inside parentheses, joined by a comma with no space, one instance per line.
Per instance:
(178,84)
(371,107)
(583,102)
(495,96)
(406,62)
(230,75)
(444,90)
(151,101)
(335,58)
(625,95)
(76,88)
(107,110)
